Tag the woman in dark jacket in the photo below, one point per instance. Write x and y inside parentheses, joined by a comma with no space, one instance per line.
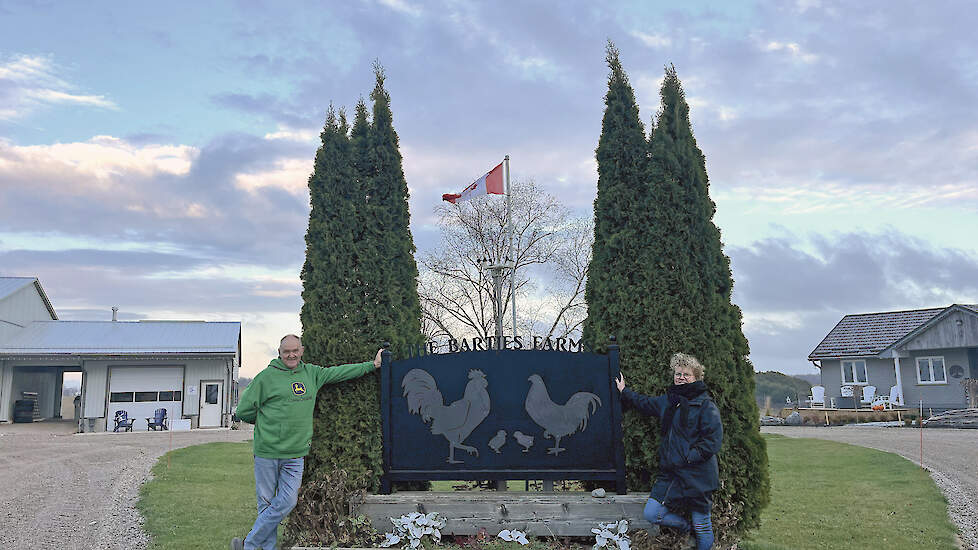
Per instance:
(691,437)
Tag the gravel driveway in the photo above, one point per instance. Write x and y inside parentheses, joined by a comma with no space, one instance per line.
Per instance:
(78,491)
(950,455)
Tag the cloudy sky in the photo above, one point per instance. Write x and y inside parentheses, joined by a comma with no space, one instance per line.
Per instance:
(155,158)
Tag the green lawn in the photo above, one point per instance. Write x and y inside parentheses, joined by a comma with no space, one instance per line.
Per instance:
(827,496)
(205,497)
(824,496)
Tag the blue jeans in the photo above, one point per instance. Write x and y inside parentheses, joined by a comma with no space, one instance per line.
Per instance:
(277,482)
(702,526)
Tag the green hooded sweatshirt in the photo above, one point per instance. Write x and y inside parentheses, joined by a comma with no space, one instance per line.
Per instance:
(280,403)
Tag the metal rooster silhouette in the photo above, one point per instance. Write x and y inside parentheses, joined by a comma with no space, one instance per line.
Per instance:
(455,421)
(559,420)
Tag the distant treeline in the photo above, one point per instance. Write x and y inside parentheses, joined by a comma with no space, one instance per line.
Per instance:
(777,387)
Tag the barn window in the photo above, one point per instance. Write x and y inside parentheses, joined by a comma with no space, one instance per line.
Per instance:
(166,396)
(145,396)
(121,397)
(957,371)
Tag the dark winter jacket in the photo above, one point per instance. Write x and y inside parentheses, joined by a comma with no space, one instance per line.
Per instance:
(688,472)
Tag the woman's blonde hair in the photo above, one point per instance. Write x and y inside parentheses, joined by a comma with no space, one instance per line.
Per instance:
(682,360)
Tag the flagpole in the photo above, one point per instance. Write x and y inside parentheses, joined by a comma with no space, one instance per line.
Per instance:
(512,257)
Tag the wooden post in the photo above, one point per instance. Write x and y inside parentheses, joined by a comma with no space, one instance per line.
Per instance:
(385,413)
(615,367)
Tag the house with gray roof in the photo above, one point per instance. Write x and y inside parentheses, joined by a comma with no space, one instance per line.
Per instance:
(929,355)
(188,368)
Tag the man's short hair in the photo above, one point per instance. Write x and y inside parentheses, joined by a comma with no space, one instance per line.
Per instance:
(282,341)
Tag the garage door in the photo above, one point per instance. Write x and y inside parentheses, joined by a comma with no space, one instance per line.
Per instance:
(141,390)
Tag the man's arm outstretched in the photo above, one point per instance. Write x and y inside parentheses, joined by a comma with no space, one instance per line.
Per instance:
(247,410)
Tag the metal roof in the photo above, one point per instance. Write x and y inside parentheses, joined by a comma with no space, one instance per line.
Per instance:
(10,285)
(868,334)
(123,338)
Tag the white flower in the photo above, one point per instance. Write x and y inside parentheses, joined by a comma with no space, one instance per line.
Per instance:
(513,536)
(611,536)
(411,529)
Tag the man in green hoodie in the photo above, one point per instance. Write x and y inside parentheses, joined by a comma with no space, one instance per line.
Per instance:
(280,402)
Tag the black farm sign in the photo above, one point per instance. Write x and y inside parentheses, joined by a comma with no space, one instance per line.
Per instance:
(502,414)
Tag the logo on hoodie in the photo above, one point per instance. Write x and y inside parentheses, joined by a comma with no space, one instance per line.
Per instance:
(298,388)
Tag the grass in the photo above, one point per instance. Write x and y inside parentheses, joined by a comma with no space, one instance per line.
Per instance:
(827,495)
(204,498)
(824,496)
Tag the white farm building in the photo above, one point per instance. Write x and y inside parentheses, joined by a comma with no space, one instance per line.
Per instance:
(189,368)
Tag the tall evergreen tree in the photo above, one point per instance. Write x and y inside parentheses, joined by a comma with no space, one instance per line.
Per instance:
(620,222)
(332,324)
(371,297)
(659,282)
(395,290)
(328,274)
(690,305)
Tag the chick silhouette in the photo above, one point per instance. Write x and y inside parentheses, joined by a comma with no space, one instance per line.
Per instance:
(498,441)
(525,441)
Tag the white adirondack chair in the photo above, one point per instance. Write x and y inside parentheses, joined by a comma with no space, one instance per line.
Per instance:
(817,398)
(889,402)
(869,393)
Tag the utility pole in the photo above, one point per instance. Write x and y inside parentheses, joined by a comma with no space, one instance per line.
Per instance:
(497,284)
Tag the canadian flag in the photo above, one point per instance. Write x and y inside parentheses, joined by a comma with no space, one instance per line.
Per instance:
(490,183)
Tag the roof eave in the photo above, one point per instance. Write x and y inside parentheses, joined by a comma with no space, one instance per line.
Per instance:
(21,355)
(47,302)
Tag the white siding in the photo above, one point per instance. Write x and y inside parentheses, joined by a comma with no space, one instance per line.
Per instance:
(152,379)
(96,381)
(6,400)
(95,385)
(19,309)
(211,369)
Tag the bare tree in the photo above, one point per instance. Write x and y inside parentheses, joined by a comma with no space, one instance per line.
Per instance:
(551,250)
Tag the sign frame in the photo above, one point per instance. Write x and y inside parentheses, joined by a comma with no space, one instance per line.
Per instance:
(527,361)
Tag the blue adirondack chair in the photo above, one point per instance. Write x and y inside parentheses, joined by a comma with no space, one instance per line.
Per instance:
(123,421)
(158,421)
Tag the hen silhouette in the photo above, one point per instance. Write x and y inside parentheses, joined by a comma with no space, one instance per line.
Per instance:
(559,420)
(455,421)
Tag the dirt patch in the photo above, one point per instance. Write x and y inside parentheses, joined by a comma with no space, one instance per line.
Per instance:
(78,491)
